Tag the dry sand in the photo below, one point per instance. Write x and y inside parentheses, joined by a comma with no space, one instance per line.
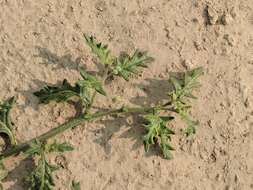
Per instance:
(41,42)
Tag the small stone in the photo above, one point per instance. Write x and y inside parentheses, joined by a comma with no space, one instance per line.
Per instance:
(218,177)
(130,120)
(187,64)
(197,45)
(229,39)
(212,16)
(226,19)
(233,12)
(195,20)
(101,6)
(61,161)
(210,123)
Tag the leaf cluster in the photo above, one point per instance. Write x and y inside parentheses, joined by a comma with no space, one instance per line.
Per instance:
(183,90)
(100,50)
(41,177)
(82,89)
(123,65)
(158,133)
(6,125)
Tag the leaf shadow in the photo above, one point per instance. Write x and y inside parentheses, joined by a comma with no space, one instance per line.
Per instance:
(30,99)
(114,125)
(65,61)
(156,91)
(134,132)
(18,173)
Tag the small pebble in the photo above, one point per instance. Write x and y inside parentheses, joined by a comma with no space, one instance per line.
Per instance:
(212,15)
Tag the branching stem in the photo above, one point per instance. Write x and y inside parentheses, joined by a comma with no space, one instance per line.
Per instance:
(76,121)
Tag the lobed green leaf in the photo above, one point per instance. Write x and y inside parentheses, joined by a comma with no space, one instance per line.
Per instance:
(126,65)
(83,89)
(183,88)
(59,147)
(42,176)
(88,84)
(60,93)
(158,133)
(101,51)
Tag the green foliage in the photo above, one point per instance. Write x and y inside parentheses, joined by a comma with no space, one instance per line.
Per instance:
(82,89)
(88,84)
(75,185)
(158,133)
(5,121)
(122,66)
(59,93)
(59,147)
(183,88)
(101,51)
(125,64)
(85,89)
(42,177)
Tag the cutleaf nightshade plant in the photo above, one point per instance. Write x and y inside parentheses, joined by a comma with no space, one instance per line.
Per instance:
(157,118)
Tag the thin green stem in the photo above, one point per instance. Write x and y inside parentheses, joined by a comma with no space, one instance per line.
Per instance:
(95,93)
(76,121)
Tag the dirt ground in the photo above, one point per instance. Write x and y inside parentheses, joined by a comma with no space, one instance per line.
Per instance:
(41,42)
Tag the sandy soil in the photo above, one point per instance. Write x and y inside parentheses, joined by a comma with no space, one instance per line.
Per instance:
(41,42)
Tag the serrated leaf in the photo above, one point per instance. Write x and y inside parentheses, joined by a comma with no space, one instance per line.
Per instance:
(158,133)
(101,51)
(35,148)
(60,147)
(60,93)
(75,185)
(83,89)
(87,87)
(183,88)
(126,65)
(41,177)
(6,125)
(92,81)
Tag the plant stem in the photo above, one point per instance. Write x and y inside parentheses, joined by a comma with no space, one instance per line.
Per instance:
(95,93)
(73,123)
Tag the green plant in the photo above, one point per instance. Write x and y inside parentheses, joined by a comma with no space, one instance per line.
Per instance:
(156,117)
(41,178)
(6,125)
